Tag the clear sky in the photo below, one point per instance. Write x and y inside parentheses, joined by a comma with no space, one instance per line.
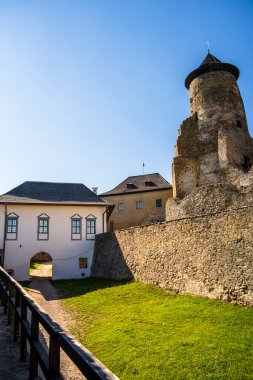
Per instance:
(90,89)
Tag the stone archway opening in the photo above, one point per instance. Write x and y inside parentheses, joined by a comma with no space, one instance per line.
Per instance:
(41,266)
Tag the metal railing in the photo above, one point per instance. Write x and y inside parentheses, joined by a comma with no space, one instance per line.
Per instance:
(27,317)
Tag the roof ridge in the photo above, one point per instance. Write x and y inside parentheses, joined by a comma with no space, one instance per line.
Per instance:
(140,175)
(59,183)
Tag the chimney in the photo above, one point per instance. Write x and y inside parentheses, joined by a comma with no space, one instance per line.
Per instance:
(95,190)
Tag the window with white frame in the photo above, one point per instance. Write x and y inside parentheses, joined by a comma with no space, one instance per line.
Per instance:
(12,226)
(76,227)
(43,227)
(90,227)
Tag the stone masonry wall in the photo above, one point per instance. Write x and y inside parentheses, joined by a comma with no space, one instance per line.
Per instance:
(185,168)
(210,255)
(206,200)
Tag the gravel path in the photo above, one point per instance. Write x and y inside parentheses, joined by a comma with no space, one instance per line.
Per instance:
(43,292)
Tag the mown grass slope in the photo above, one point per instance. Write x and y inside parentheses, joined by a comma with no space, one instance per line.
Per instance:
(142,332)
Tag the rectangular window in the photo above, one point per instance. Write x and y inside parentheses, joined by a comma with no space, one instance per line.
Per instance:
(76,226)
(83,262)
(139,205)
(121,206)
(43,228)
(90,226)
(12,225)
(158,203)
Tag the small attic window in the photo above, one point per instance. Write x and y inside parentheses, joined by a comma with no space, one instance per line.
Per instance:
(239,124)
(131,186)
(149,183)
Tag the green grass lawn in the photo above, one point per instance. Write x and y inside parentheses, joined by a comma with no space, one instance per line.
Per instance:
(142,332)
(34,264)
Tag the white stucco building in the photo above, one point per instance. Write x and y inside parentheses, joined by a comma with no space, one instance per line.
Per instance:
(60,219)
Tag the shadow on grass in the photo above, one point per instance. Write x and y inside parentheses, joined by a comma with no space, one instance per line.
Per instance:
(69,288)
(75,288)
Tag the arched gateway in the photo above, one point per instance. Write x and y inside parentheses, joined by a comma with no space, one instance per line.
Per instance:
(41,266)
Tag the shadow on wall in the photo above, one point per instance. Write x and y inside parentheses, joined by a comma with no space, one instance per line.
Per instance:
(109,265)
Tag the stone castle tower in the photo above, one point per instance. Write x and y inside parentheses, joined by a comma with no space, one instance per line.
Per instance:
(214,145)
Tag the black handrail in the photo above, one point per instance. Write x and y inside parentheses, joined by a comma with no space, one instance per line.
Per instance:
(16,303)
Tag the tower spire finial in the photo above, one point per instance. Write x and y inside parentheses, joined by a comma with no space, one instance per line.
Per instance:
(208,46)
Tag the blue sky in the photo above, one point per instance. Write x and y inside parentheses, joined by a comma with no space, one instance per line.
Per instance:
(90,89)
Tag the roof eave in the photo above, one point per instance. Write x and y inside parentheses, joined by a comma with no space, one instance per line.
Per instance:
(211,67)
(156,188)
(16,202)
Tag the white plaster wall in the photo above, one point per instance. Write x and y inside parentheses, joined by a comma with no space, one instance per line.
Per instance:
(64,251)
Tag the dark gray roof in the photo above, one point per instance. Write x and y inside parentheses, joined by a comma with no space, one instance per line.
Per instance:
(140,183)
(210,64)
(209,59)
(51,192)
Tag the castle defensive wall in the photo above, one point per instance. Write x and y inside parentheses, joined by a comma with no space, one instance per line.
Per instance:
(209,255)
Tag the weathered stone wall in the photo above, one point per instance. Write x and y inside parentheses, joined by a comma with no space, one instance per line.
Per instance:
(185,167)
(207,199)
(210,255)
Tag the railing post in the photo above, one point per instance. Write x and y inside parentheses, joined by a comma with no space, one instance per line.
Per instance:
(16,316)
(1,289)
(33,356)
(54,356)
(23,349)
(9,305)
(5,294)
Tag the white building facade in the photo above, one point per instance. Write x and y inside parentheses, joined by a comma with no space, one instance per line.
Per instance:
(59,219)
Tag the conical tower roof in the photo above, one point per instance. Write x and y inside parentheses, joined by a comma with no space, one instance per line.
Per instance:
(210,59)
(209,64)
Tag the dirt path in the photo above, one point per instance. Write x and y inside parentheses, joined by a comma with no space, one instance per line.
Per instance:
(44,270)
(43,292)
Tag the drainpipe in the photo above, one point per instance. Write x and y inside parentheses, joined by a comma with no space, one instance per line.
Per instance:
(5,225)
(104,219)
